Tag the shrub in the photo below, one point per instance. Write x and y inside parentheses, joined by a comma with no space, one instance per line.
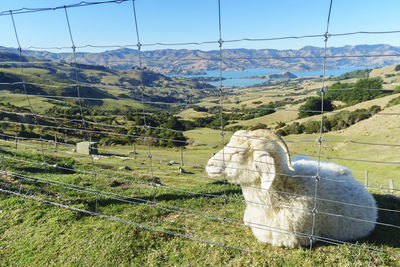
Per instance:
(280,124)
(394,101)
(356,92)
(200,109)
(281,132)
(374,109)
(312,127)
(313,107)
(297,128)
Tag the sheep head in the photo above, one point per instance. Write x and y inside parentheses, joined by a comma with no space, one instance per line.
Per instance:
(254,158)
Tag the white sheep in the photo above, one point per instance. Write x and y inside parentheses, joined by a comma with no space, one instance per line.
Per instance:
(280,196)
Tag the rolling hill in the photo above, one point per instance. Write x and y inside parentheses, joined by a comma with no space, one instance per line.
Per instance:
(47,77)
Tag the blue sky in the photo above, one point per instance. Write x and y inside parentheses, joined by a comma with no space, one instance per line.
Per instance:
(175,21)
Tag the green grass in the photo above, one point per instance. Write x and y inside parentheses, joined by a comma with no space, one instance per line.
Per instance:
(38,234)
(40,104)
(33,233)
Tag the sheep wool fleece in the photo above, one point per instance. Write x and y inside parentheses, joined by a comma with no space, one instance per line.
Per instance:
(280,192)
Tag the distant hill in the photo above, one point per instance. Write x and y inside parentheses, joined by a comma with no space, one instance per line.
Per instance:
(46,77)
(184,61)
(282,75)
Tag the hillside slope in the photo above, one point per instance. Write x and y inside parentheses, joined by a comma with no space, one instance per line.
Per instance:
(45,77)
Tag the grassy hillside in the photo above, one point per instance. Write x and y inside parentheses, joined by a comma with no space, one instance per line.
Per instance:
(45,77)
(146,190)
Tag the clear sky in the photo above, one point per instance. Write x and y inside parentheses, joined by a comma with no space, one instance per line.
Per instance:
(175,21)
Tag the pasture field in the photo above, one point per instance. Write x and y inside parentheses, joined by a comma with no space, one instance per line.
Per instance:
(190,204)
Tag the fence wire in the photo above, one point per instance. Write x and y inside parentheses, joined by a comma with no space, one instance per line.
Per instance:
(151,192)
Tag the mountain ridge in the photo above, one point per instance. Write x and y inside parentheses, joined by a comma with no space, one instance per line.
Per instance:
(186,61)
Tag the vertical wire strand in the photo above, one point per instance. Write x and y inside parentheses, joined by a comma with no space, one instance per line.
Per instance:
(220,42)
(78,90)
(145,126)
(35,118)
(320,140)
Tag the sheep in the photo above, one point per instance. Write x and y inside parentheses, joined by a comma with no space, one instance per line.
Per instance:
(280,195)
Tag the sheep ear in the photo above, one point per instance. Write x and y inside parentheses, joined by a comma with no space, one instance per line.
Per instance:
(265,164)
(284,149)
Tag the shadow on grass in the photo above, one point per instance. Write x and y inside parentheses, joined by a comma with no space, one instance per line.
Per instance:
(386,235)
(103,202)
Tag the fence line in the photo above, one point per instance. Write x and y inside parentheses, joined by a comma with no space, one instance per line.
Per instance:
(182,131)
(87,128)
(323,239)
(210,178)
(194,212)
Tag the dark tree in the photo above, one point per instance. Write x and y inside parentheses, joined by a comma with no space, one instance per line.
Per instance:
(313,107)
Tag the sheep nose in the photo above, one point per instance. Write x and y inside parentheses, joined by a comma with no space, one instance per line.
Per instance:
(210,164)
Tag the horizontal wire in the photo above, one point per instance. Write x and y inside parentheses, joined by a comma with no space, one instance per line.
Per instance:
(168,207)
(269,228)
(247,186)
(141,225)
(83,3)
(158,185)
(257,58)
(192,132)
(357,219)
(358,160)
(145,201)
(67,85)
(199,43)
(25,10)
(180,141)
(135,136)
(140,201)
(147,58)
(35,139)
(263,150)
(363,32)
(360,143)
(48,62)
(108,150)
(168,103)
(349,245)
(366,89)
(93,131)
(244,186)
(235,221)
(389,225)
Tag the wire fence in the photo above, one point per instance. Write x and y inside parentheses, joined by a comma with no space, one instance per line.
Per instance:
(41,158)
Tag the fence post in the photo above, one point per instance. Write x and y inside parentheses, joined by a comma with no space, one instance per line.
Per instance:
(16,141)
(134,150)
(55,142)
(366,179)
(182,156)
(391,186)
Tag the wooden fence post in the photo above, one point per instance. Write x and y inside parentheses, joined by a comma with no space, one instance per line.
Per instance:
(182,156)
(391,186)
(16,141)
